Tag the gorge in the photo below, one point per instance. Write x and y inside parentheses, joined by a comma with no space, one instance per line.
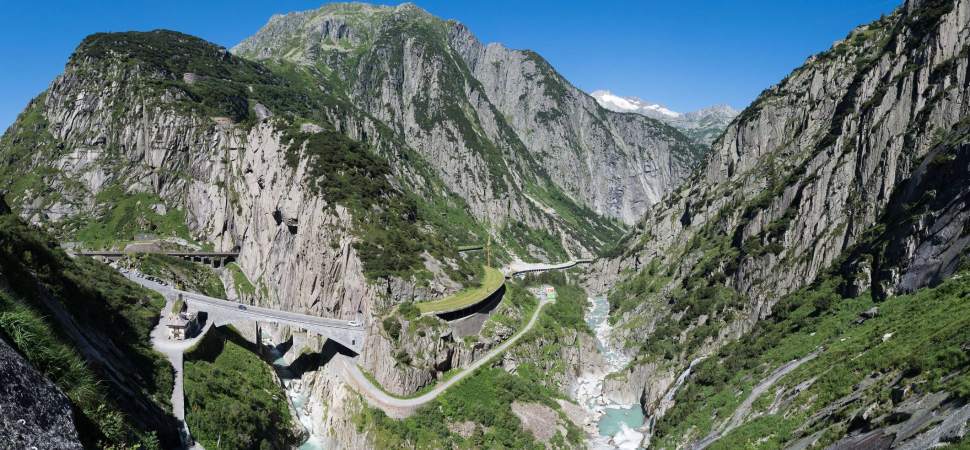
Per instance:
(793,275)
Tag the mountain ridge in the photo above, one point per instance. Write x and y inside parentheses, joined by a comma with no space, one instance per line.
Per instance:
(346,185)
(546,119)
(802,283)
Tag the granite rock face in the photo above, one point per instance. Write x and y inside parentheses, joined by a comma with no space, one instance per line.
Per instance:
(460,103)
(839,152)
(102,126)
(35,413)
(498,129)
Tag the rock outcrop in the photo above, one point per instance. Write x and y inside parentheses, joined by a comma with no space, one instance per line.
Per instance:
(35,413)
(539,420)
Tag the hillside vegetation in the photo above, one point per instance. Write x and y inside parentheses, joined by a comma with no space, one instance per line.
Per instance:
(87,329)
(182,274)
(231,398)
(913,347)
(477,412)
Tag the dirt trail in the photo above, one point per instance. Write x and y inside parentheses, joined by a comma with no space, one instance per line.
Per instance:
(745,407)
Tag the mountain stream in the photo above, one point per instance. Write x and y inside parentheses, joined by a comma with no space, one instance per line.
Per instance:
(613,426)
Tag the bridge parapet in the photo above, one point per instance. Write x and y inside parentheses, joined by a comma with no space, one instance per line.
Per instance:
(352,338)
(523,268)
(347,333)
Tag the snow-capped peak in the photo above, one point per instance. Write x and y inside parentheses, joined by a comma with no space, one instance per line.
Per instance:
(613,102)
(702,126)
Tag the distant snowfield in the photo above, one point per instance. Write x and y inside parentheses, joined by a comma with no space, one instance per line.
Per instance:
(629,104)
(702,126)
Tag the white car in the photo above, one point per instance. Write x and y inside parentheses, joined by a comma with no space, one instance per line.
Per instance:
(353,323)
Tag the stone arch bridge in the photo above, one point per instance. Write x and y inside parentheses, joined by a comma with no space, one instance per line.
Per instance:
(215,259)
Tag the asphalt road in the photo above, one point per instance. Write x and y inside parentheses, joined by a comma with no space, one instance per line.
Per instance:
(173,350)
(402,407)
(232,309)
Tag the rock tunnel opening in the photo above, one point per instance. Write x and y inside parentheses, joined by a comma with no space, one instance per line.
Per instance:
(484,307)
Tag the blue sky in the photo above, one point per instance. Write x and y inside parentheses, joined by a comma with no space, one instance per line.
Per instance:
(685,54)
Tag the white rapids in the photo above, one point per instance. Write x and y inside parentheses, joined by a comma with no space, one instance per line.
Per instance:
(611,425)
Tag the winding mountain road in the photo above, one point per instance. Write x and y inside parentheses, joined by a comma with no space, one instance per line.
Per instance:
(398,407)
(393,406)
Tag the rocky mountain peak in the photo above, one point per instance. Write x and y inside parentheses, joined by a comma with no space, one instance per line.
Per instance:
(411,7)
(427,77)
(720,110)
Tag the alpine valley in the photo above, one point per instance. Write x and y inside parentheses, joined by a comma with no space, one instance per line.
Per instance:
(362,227)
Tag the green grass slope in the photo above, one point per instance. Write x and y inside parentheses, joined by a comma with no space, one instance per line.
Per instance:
(87,329)
(231,398)
(492,281)
(917,340)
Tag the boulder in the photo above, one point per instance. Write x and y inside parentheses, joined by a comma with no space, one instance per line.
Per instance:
(36,414)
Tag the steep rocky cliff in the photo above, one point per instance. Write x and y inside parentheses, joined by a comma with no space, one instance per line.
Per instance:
(346,175)
(506,114)
(124,141)
(828,170)
(346,167)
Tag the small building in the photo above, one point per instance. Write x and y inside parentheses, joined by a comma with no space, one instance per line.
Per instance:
(550,293)
(182,324)
(178,324)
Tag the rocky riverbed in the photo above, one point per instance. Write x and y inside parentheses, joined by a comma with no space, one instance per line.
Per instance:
(298,395)
(610,425)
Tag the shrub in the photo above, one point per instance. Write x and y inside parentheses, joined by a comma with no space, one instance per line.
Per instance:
(392,327)
(408,310)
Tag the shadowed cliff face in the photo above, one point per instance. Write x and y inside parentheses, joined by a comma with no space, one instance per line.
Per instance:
(835,168)
(83,329)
